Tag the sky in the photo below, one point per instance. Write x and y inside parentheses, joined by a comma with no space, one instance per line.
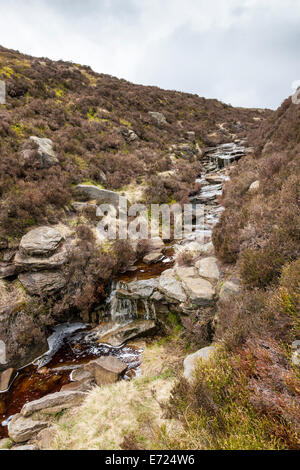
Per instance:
(243,52)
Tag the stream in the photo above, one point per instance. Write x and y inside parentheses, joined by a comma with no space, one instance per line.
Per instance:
(71,345)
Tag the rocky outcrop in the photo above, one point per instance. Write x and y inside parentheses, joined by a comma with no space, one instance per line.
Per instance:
(45,282)
(106,370)
(41,241)
(34,263)
(128,134)
(158,118)
(7,270)
(54,403)
(22,429)
(191,361)
(102,196)
(44,157)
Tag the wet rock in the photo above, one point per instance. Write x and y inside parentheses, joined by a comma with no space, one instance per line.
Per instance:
(79,386)
(229,289)
(42,282)
(102,195)
(144,289)
(32,263)
(22,429)
(6,378)
(78,375)
(158,118)
(191,361)
(171,287)
(41,241)
(153,257)
(45,153)
(254,187)
(208,268)
(54,403)
(106,370)
(116,336)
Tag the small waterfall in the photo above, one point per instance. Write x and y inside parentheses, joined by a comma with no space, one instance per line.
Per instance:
(122,309)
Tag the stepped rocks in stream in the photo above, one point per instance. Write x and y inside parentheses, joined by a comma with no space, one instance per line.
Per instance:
(106,370)
(200,292)
(54,403)
(191,361)
(22,429)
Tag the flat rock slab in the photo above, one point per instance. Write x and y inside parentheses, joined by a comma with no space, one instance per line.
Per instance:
(191,361)
(200,291)
(153,257)
(41,241)
(143,289)
(54,403)
(106,370)
(42,282)
(171,286)
(103,196)
(208,268)
(22,429)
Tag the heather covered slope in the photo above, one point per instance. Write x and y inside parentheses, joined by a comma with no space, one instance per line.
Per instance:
(89,117)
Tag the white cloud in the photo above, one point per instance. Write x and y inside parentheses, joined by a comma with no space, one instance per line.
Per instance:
(243,51)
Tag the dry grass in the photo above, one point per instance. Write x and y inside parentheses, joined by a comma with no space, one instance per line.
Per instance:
(112,413)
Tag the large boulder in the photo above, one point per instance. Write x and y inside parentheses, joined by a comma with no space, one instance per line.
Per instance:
(102,196)
(191,361)
(22,429)
(171,286)
(38,283)
(54,403)
(208,268)
(41,241)
(46,155)
(106,370)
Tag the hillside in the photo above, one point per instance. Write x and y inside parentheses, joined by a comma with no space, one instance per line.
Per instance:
(89,117)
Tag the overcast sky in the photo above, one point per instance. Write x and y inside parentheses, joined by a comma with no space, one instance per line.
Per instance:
(243,52)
